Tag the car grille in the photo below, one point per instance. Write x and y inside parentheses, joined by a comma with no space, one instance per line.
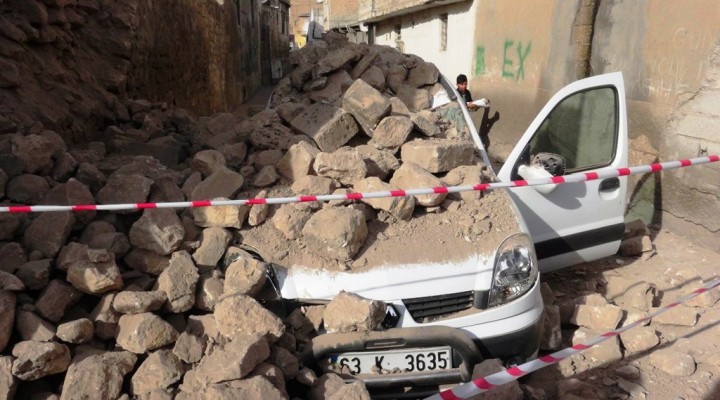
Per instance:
(426,309)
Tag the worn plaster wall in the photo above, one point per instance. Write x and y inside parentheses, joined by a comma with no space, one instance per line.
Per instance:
(522,53)
(669,53)
(197,54)
(420,34)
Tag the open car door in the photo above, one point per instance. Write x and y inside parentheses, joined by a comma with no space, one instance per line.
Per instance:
(582,128)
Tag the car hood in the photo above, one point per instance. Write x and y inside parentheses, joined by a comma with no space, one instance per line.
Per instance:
(390,282)
(448,251)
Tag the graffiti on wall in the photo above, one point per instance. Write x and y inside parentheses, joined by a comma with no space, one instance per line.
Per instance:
(514,62)
(514,59)
(479,61)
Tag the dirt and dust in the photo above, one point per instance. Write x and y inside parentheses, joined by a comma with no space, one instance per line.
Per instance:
(701,341)
(461,230)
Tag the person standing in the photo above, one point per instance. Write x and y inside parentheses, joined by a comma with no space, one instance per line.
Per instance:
(486,123)
(462,88)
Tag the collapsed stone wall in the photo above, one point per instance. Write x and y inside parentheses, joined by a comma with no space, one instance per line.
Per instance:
(160,301)
(69,64)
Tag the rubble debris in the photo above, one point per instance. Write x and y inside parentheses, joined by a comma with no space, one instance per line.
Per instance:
(173,290)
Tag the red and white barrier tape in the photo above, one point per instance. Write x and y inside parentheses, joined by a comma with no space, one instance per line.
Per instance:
(489,382)
(578,177)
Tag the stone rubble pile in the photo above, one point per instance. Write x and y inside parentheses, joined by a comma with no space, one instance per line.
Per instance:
(169,303)
(607,302)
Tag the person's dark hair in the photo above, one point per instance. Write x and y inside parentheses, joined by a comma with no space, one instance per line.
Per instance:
(461,79)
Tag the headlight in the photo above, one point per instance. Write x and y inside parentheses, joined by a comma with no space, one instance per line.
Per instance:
(515,270)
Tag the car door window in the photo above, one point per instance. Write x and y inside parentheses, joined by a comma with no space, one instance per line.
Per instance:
(582,128)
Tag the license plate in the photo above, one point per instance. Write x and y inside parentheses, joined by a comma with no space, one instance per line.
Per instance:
(400,360)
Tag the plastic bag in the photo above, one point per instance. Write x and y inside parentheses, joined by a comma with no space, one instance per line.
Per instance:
(440,99)
(484,103)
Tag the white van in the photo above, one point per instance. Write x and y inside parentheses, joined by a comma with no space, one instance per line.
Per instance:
(447,314)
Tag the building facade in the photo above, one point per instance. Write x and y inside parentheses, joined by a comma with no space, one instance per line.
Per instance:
(440,32)
(274,40)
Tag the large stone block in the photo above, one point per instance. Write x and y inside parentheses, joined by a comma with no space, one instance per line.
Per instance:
(366,104)
(415,99)
(330,127)
(438,155)
(336,233)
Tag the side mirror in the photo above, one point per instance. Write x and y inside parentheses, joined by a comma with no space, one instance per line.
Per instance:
(535,171)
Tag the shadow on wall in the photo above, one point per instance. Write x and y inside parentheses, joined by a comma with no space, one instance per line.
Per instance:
(645,202)
(486,124)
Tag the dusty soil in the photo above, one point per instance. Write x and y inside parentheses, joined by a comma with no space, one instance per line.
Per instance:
(672,251)
(466,230)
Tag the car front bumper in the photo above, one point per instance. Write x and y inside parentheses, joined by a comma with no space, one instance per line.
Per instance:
(463,347)
(518,345)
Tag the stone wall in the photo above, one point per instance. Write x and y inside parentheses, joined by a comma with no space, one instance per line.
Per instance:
(274,42)
(197,54)
(668,53)
(63,65)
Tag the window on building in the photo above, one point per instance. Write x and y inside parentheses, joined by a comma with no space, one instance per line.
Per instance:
(443,31)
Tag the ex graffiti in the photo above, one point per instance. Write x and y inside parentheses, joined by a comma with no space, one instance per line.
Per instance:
(513,64)
(507,69)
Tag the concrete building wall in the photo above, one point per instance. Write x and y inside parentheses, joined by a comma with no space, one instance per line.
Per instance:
(668,53)
(421,34)
(522,54)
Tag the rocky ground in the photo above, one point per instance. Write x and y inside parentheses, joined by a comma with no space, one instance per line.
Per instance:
(674,357)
